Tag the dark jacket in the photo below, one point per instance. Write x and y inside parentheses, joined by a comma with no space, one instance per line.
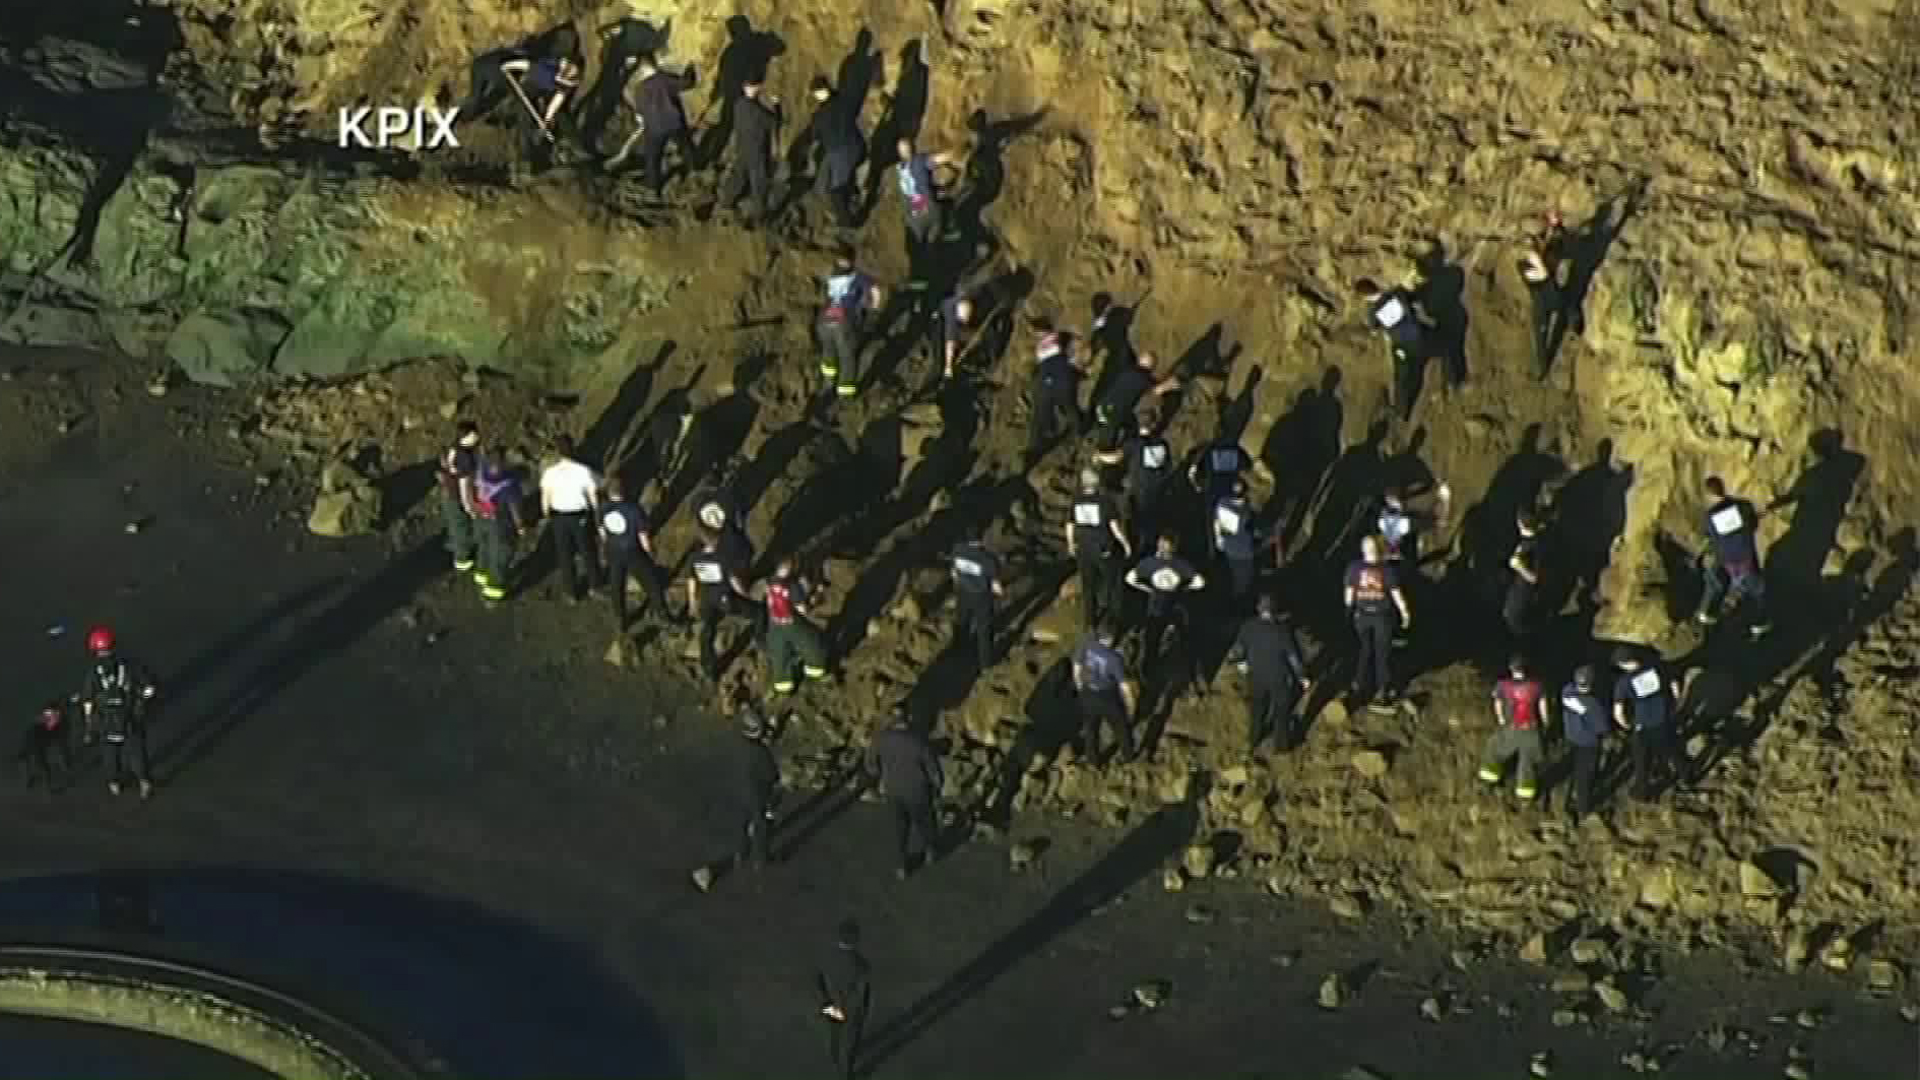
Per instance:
(905,764)
(657,100)
(845,980)
(753,124)
(1270,651)
(836,128)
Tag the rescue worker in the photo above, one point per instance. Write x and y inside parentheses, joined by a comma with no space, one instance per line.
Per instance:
(852,299)
(662,120)
(1550,315)
(835,131)
(1093,533)
(1401,527)
(922,200)
(497,506)
(792,641)
(976,587)
(1104,695)
(1643,707)
(1523,570)
(1268,653)
(908,771)
(1519,712)
(623,43)
(570,503)
(113,704)
(845,982)
(716,507)
(458,470)
(1213,472)
(755,118)
(1377,604)
(1583,720)
(541,83)
(1055,392)
(716,588)
(1731,562)
(1167,579)
(757,787)
(1148,459)
(1397,315)
(1121,400)
(959,318)
(1236,541)
(627,539)
(46,748)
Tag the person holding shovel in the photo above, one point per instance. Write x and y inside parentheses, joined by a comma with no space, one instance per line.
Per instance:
(542,85)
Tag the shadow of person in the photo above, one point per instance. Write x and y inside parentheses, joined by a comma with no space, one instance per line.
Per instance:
(745,58)
(1819,499)
(906,111)
(1301,447)
(985,174)
(1586,249)
(1139,854)
(1442,292)
(1589,515)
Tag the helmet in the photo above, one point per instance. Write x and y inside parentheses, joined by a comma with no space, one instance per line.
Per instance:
(1583,677)
(100,640)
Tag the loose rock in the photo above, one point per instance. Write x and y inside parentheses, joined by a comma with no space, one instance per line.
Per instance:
(1883,976)
(1172,879)
(1347,906)
(1198,861)
(1333,991)
(1564,1018)
(1535,949)
(1610,995)
(1756,883)
(1153,993)
(1022,856)
(1431,1010)
(350,512)
(1371,764)
(1588,951)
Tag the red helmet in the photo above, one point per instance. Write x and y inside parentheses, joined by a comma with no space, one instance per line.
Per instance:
(100,640)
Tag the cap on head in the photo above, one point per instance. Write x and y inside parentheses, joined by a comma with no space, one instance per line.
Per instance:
(1583,677)
(1164,545)
(1625,657)
(100,640)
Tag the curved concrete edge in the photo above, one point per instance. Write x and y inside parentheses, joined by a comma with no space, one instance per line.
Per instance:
(267,1029)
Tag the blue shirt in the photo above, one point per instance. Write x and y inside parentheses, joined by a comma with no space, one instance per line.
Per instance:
(847,293)
(1233,526)
(1373,586)
(543,76)
(1729,525)
(1583,715)
(622,523)
(1644,693)
(916,182)
(1392,315)
(1101,667)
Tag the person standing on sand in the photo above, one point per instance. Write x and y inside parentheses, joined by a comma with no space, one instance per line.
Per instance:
(844,980)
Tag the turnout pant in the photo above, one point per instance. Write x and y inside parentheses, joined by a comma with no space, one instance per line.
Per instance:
(625,561)
(1163,642)
(923,234)
(1510,742)
(1406,377)
(496,551)
(127,755)
(976,621)
(840,355)
(713,608)
(1103,706)
(791,645)
(461,541)
(573,539)
(1373,670)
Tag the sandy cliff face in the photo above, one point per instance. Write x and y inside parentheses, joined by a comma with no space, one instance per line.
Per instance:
(1739,175)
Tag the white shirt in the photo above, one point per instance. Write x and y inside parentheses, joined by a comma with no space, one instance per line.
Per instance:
(568,487)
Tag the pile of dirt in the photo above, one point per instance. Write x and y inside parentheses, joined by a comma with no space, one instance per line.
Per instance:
(1744,234)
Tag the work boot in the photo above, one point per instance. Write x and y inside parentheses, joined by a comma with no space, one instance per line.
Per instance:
(146,789)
